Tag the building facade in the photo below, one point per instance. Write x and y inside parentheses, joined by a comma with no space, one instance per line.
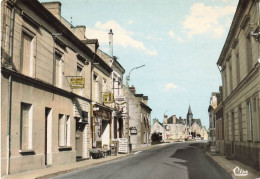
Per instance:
(139,118)
(46,121)
(239,62)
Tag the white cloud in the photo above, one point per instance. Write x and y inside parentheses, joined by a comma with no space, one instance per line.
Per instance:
(206,19)
(174,36)
(130,22)
(170,86)
(122,37)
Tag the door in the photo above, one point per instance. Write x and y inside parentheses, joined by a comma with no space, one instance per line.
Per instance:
(79,140)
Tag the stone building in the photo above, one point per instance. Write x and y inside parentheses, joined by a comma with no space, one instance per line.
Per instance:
(158,127)
(239,62)
(139,118)
(179,129)
(46,120)
(212,117)
(175,129)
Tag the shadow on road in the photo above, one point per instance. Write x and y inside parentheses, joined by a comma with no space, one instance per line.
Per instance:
(198,165)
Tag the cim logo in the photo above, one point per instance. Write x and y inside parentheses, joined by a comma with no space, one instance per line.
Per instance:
(240,172)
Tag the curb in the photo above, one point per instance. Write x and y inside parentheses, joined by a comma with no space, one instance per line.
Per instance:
(80,168)
(230,172)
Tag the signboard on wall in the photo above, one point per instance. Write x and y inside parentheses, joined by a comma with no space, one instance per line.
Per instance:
(77,82)
(123,145)
(108,97)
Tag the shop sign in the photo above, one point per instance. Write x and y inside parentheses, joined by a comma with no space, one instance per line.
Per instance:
(123,145)
(77,82)
(120,99)
(108,97)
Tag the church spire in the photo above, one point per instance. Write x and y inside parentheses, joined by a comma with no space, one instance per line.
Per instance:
(189,111)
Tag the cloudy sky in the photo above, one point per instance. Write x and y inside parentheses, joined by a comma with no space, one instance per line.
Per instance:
(179,41)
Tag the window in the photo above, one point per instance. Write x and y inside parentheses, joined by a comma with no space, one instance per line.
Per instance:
(238,68)
(249,52)
(240,123)
(58,70)
(225,83)
(249,121)
(104,86)
(95,77)
(233,126)
(230,77)
(26,126)
(64,130)
(27,54)
(79,74)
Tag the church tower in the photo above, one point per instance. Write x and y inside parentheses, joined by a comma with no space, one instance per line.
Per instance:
(189,117)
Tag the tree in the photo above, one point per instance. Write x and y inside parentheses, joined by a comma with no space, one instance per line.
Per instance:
(156,137)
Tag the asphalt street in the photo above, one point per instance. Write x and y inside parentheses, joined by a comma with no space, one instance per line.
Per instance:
(178,160)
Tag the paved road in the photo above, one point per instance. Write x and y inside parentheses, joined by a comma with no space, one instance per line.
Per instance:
(178,160)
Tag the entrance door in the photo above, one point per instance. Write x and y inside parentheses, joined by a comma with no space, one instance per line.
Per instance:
(48,133)
(79,140)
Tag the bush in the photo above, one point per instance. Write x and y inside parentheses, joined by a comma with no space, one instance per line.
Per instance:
(156,137)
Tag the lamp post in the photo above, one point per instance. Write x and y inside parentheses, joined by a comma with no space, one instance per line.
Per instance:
(128,76)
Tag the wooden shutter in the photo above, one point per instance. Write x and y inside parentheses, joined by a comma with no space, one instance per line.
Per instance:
(26,54)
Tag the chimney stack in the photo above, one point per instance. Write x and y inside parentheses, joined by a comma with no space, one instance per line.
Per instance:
(110,34)
(54,8)
(165,119)
(132,89)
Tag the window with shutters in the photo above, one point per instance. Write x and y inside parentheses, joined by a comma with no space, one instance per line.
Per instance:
(64,130)
(26,127)
(27,54)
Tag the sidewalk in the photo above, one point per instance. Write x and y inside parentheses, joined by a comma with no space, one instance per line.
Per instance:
(67,168)
(229,166)
(62,169)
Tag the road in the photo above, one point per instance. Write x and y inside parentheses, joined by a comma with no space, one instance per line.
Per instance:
(177,160)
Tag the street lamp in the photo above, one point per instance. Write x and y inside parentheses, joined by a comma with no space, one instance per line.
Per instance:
(128,76)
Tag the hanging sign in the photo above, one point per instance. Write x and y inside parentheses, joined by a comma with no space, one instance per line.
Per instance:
(108,97)
(77,82)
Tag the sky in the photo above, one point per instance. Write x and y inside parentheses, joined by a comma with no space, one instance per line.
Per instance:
(178,41)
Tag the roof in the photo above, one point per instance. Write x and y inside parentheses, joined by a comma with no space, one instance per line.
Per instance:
(145,106)
(198,121)
(234,26)
(60,27)
(139,95)
(189,110)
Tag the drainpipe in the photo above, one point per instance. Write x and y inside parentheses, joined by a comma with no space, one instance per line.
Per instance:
(92,113)
(9,95)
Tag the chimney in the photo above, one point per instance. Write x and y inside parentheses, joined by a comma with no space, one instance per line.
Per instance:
(80,32)
(165,119)
(174,119)
(132,89)
(110,34)
(54,8)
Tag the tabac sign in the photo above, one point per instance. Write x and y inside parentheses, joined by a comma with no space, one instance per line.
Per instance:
(77,82)
(108,97)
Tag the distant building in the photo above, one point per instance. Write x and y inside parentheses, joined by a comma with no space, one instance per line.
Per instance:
(179,129)
(157,127)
